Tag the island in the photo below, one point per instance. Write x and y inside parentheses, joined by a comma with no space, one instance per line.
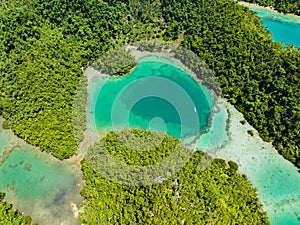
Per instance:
(238,166)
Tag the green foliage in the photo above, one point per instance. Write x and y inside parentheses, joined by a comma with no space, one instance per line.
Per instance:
(194,195)
(2,195)
(233,166)
(39,104)
(243,122)
(43,47)
(138,153)
(79,110)
(6,124)
(9,216)
(256,75)
(286,6)
(115,62)
(250,132)
(129,156)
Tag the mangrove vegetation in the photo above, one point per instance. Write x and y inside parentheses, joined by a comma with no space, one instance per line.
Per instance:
(203,191)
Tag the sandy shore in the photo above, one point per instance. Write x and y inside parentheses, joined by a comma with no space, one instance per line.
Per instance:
(253,5)
(44,203)
(277,181)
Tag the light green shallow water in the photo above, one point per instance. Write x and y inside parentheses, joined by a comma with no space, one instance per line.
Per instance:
(32,175)
(3,141)
(217,135)
(38,184)
(277,180)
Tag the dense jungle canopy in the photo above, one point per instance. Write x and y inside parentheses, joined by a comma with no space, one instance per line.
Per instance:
(45,44)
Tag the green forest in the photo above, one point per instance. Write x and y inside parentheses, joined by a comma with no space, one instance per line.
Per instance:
(44,45)
(286,6)
(9,216)
(196,194)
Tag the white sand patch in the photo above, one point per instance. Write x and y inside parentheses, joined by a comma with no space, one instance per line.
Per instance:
(276,179)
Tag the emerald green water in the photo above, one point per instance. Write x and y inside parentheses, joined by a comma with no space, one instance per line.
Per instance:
(32,176)
(36,183)
(156,95)
(277,180)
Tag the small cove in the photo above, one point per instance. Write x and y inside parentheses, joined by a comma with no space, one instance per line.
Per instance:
(284,28)
(36,183)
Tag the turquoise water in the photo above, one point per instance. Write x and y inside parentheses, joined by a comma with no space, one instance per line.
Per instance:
(38,184)
(156,95)
(285,29)
(217,135)
(32,176)
(280,185)
(284,32)
(277,180)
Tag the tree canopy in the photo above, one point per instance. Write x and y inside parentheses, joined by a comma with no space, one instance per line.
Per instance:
(44,45)
(286,6)
(197,194)
(9,216)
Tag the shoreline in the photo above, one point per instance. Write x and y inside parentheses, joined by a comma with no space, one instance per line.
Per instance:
(269,8)
(167,56)
(276,180)
(31,160)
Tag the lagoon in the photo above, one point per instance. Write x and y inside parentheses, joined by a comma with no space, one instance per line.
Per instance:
(36,183)
(156,95)
(284,28)
(277,181)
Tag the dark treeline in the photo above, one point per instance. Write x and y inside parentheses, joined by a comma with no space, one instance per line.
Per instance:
(284,6)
